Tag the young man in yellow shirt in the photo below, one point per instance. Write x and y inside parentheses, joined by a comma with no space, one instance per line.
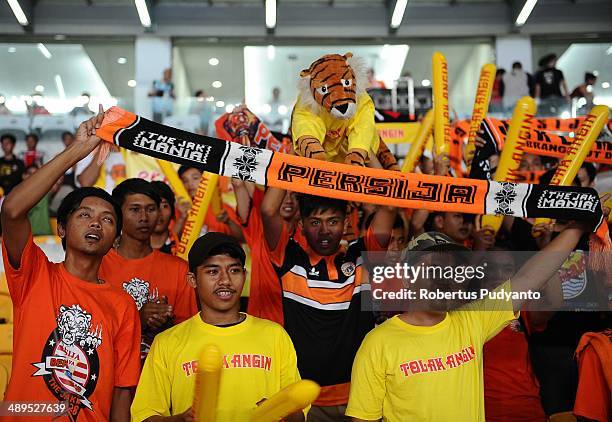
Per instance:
(426,365)
(258,355)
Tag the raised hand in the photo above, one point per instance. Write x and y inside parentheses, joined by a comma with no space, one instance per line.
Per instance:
(85,138)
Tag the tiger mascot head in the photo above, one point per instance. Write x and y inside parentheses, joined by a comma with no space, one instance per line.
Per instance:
(333,83)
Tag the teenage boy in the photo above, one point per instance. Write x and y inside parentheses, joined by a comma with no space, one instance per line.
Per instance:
(258,356)
(75,336)
(163,237)
(427,364)
(321,291)
(156,281)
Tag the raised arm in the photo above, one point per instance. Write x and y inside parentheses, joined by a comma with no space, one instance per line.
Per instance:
(15,225)
(545,264)
(270,216)
(243,194)
(90,174)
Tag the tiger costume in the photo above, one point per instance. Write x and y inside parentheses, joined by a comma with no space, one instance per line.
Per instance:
(333,118)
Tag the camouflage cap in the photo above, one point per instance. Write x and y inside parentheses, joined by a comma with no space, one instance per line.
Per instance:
(434,241)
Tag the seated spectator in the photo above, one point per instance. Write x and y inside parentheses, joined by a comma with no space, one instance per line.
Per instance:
(35,108)
(11,167)
(82,110)
(32,157)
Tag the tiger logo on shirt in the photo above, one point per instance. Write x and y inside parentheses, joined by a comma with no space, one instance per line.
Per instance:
(140,292)
(70,365)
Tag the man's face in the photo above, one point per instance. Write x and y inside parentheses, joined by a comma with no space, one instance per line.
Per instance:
(531,162)
(7,146)
(219,281)
(396,244)
(191,180)
(31,143)
(289,207)
(323,231)
(68,139)
(583,177)
(501,268)
(453,225)
(165,215)
(92,228)
(140,214)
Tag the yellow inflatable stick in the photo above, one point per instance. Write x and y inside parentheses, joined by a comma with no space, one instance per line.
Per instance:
(418,144)
(174,180)
(510,159)
(440,98)
(290,399)
(216,205)
(195,217)
(585,137)
(206,391)
(481,105)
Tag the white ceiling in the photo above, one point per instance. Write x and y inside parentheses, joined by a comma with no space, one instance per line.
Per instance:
(26,67)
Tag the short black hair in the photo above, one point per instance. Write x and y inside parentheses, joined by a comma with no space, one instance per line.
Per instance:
(73,200)
(198,93)
(311,203)
(134,186)
(591,171)
(398,223)
(66,133)
(8,136)
(588,76)
(517,65)
(32,135)
(182,169)
(165,192)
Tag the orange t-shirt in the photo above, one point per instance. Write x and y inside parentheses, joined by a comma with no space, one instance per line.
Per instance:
(67,346)
(150,278)
(266,295)
(593,394)
(511,390)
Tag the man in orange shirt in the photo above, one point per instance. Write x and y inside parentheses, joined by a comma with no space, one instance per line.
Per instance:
(75,335)
(156,281)
(265,298)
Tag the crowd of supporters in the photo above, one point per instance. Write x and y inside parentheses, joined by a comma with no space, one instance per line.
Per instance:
(303,316)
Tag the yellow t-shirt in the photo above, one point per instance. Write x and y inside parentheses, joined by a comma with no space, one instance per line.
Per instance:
(259,360)
(338,136)
(404,372)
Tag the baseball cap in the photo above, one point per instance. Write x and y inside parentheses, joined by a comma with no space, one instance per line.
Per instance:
(434,241)
(208,245)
